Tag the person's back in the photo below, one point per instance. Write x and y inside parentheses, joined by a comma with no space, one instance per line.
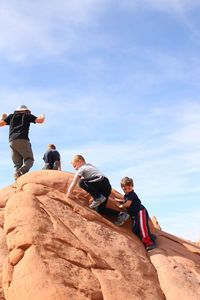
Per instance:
(88,171)
(52,158)
(19,125)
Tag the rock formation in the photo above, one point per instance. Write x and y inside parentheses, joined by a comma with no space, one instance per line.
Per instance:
(155,223)
(56,248)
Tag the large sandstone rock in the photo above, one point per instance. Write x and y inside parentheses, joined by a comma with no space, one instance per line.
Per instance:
(155,223)
(56,248)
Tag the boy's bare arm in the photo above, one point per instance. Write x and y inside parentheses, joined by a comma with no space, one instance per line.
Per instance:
(119,200)
(72,185)
(113,198)
(116,201)
(126,204)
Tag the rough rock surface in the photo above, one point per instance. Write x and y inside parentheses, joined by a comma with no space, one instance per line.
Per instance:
(56,248)
(155,223)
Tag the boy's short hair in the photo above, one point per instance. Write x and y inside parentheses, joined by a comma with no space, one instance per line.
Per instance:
(77,157)
(127,181)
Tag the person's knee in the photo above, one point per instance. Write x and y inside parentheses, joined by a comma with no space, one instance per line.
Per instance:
(136,231)
(101,208)
(81,183)
(29,161)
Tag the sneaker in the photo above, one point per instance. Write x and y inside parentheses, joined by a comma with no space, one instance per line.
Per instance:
(153,237)
(151,247)
(18,174)
(122,218)
(96,202)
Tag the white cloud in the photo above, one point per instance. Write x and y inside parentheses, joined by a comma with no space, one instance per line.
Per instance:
(33,29)
(59,102)
(153,169)
(183,224)
(181,10)
(44,28)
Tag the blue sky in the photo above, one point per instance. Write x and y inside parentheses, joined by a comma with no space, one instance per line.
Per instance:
(119,83)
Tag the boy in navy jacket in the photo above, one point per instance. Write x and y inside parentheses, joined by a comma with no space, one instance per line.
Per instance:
(137,212)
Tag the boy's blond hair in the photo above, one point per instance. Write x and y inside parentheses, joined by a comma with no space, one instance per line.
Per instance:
(77,157)
(127,181)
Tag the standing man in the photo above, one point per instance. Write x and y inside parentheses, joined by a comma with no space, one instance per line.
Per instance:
(21,151)
(52,158)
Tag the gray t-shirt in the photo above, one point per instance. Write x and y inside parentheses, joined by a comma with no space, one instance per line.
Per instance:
(88,171)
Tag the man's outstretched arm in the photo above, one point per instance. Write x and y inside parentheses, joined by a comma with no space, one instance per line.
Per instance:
(40,119)
(2,122)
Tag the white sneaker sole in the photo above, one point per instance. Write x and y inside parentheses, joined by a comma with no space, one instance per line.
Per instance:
(96,204)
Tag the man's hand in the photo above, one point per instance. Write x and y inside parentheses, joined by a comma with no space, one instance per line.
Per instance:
(40,119)
(2,122)
(42,116)
(3,116)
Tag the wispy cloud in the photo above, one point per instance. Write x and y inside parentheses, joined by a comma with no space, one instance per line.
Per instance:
(174,224)
(154,167)
(164,5)
(59,102)
(41,28)
(180,9)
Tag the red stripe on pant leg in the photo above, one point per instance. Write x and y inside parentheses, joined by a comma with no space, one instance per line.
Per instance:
(141,235)
(143,224)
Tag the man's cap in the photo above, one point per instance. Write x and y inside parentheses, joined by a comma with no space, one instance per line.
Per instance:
(22,108)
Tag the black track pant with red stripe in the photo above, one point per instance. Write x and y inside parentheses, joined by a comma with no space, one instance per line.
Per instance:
(97,188)
(141,227)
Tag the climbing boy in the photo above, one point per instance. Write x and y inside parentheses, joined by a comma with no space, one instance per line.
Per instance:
(137,212)
(94,182)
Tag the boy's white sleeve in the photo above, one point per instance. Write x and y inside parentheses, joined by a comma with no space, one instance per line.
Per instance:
(80,172)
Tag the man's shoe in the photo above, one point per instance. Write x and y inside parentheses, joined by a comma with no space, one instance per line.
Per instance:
(18,174)
(96,202)
(151,247)
(122,218)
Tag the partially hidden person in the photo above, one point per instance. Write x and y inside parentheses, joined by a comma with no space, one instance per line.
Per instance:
(137,212)
(52,158)
(21,152)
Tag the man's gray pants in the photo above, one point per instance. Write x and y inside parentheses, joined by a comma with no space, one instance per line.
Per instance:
(22,155)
